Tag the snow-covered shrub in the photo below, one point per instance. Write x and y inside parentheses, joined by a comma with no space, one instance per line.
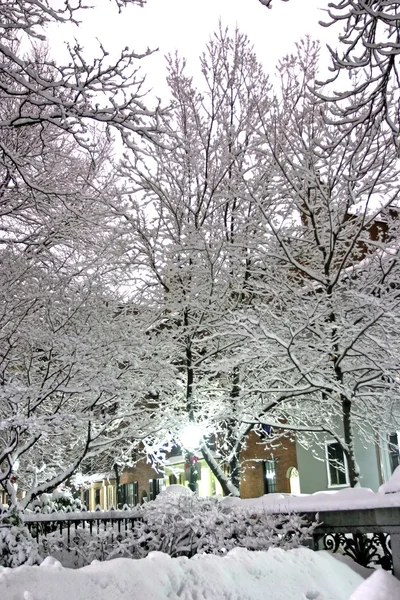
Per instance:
(82,548)
(180,523)
(60,500)
(17,547)
(186,525)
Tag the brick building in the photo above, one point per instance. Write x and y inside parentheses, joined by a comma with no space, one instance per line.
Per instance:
(268,470)
(264,470)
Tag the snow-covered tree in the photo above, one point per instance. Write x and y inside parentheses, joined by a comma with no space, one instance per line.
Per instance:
(325,315)
(367,56)
(193,235)
(267,245)
(368,52)
(72,95)
(69,343)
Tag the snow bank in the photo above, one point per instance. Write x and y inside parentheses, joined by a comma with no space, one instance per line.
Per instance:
(345,499)
(381,585)
(240,575)
(393,485)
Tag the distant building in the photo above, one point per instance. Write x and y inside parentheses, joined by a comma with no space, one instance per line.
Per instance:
(264,470)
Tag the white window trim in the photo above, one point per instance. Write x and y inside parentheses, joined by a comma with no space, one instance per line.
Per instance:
(346,469)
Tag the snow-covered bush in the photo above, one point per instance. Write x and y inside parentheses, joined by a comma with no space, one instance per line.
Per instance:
(180,523)
(184,525)
(17,547)
(60,500)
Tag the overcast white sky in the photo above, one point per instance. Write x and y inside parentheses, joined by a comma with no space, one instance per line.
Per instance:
(186,25)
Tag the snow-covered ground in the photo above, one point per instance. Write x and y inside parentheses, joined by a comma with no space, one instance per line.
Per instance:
(240,575)
(297,574)
(381,585)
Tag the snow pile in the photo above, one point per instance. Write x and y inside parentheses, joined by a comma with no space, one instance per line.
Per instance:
(381,585)
(393,485)
(345,499)
(240,575)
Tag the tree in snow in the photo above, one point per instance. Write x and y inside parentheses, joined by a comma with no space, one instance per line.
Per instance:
(266,242)
(368,53)
(68,389)
(67,96)
(192,237)
(325,315)
(368,56)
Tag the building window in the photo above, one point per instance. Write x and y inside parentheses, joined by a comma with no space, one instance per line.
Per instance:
(337,464)
(86,499)
(156,486)
(394,451)
(130,493)
(97,497)
(269,476)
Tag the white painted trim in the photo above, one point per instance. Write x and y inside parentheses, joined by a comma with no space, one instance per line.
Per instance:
(346,470)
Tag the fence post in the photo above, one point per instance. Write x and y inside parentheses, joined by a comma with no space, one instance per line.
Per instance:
(316,539)
(395,547)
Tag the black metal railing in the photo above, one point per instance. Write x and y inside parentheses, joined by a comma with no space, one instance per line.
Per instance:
(77,538)
(371,537)
(118,521)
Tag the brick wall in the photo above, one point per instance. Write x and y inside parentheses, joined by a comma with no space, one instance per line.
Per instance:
(252,457)
(142,472)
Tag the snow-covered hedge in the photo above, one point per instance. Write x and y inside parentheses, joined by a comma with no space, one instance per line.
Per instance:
(185,525)
(180,523)
(17,547)
(60,500)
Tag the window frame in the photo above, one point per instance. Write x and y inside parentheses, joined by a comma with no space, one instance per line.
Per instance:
(346,469)
(130,491)
(394,450)
(268,488)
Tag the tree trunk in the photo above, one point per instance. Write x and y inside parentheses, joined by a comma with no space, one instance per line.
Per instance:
(235,445)
(228,488)
(118,498)
(234,469)
(354,474)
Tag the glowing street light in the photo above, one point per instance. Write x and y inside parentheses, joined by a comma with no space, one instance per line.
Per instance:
(192,436)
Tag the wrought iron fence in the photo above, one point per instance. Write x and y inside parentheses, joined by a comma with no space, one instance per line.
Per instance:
(118,521)
(368,550)
(77,538)
(371,537)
